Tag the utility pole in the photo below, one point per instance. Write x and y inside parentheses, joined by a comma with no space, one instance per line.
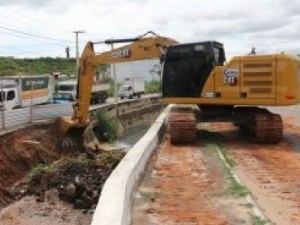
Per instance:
(77,49)
(114,75)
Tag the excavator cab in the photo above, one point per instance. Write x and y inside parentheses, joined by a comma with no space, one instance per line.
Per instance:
(187,68)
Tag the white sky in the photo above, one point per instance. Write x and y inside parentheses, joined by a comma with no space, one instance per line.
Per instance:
(271,26)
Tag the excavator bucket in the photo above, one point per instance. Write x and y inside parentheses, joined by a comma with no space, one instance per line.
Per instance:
(77,137)
(70,134)
(65,124)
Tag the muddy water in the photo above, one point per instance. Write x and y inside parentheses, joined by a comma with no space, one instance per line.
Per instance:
(131,137)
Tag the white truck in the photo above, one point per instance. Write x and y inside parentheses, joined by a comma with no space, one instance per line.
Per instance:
(67,90)
(132,87)
(21,91)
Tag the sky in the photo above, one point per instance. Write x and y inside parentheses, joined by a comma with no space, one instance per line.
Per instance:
(42,28)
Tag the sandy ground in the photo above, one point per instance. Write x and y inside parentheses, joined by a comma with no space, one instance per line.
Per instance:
(29,212)
(180,183)
(271,172)
(183,185)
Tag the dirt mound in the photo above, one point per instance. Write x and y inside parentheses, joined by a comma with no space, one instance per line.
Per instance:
(78,181)
(24,149)
(6,197)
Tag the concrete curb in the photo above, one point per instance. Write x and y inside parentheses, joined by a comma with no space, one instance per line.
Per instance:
(114,206)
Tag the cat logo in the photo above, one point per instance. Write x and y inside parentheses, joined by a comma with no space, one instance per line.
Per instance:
(230,76)
(122,53)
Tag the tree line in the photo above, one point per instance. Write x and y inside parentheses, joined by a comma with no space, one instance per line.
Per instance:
(10,66)
(44,65)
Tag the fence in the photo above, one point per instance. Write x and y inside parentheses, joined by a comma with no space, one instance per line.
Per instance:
(24,116)
(19,117)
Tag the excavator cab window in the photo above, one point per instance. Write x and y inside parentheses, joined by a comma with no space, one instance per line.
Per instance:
(219,53)
(187,67)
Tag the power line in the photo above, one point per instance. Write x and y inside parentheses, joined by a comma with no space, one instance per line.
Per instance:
(6,21)
(21,18)
(32,20)
(30,39)
(22,51)
(34,35)
(30,48)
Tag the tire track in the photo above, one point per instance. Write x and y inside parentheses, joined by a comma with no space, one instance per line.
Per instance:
(271,172)
(180,187)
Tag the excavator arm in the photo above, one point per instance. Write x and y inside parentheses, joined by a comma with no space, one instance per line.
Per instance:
(141,48)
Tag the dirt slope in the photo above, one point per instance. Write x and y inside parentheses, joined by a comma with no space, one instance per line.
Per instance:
(22,150)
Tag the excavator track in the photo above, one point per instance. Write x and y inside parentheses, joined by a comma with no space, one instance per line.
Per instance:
(261,125)
(182,125)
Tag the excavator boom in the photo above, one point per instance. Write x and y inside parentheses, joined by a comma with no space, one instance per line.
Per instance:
(141,48)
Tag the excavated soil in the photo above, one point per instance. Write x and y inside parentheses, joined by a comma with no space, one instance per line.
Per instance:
(46,184)
(53,174)
(22,150)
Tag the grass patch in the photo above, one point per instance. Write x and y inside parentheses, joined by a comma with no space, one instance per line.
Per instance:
(234,188)
(55,166)
(222,149)
(112,158)
(149,194)
(247,205)
(256,220)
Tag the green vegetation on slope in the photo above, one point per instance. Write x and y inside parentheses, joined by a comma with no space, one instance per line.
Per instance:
(45,65)
(13,66)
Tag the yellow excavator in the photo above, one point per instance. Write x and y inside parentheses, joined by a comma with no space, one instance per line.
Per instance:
(197,73)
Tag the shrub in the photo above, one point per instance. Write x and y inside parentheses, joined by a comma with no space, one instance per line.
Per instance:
(107,127)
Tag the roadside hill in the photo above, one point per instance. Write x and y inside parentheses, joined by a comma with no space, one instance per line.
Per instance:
(45,65)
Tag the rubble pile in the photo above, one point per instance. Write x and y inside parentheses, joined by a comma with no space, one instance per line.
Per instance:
(78,181)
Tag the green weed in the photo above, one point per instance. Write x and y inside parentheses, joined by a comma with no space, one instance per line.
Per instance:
(107,127)
(256,220)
